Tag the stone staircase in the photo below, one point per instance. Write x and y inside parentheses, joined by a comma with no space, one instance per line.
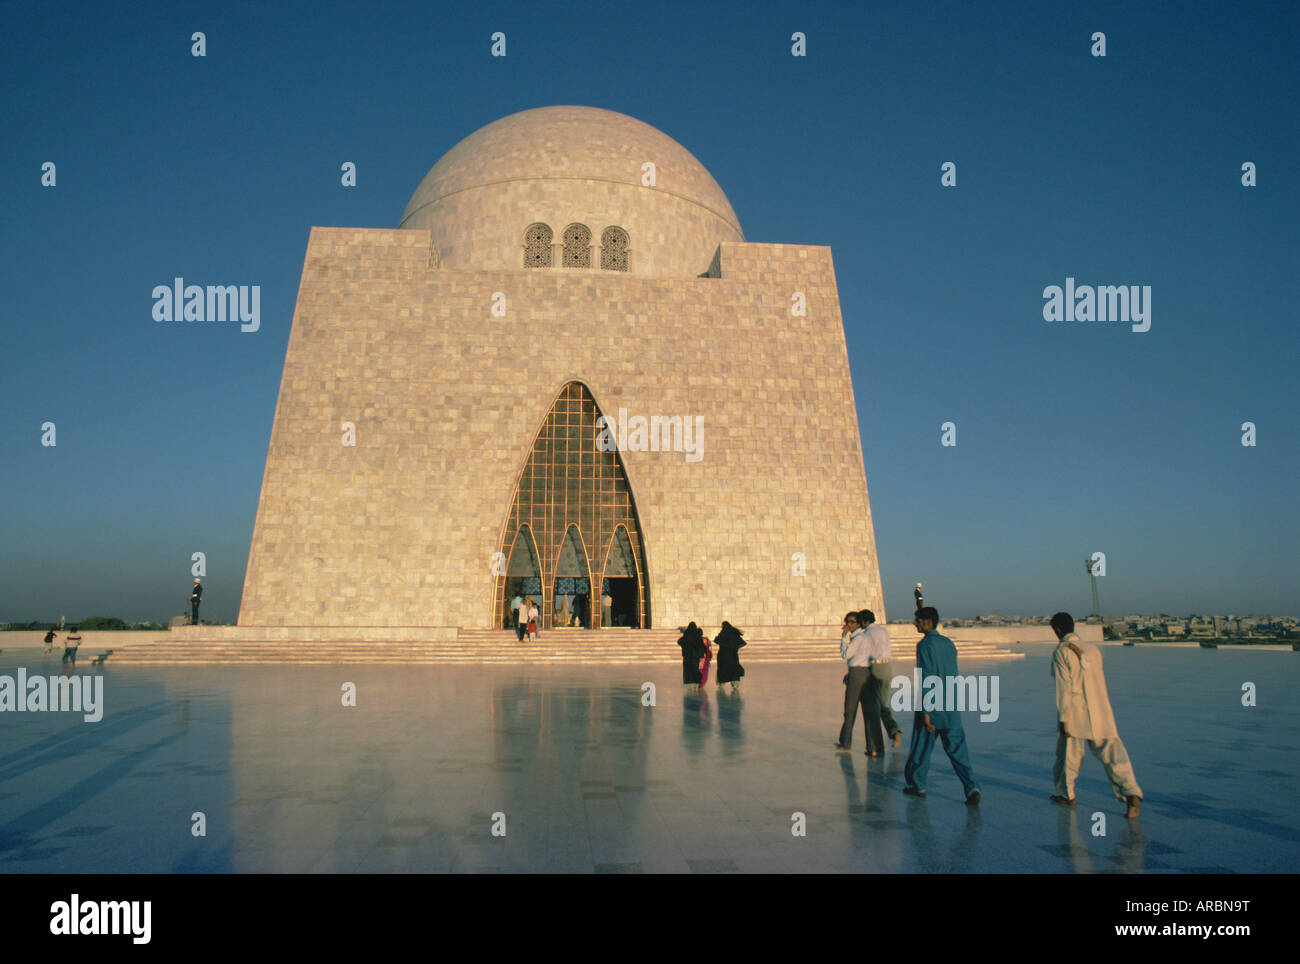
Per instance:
(407,645)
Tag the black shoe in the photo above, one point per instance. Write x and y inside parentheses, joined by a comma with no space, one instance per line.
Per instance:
(974,798)
(914,791)
(842,748)
(1064,801)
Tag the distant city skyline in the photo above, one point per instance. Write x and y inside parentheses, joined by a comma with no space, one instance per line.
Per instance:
(1071,438)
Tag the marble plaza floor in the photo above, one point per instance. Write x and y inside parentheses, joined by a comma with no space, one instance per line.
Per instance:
(589,780)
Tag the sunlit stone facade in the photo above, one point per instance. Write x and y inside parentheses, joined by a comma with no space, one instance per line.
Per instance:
(564,252)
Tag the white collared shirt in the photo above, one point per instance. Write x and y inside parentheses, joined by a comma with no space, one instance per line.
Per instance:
(878,648)
(853,648)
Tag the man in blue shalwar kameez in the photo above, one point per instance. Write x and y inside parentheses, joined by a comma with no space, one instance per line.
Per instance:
(936,656)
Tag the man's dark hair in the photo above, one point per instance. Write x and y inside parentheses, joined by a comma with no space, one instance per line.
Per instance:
(851,615)
(866,617)
(928,612)
(1063,623)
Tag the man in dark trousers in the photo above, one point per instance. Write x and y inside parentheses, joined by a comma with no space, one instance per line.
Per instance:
(879,648)
(195,596)
(936,656)
(515,605)
(854,651)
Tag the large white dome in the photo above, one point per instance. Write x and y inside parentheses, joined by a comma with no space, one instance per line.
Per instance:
(559,166)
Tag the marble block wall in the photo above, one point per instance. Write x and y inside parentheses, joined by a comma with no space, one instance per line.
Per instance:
(446,399)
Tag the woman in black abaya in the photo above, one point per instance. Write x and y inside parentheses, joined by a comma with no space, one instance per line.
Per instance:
(728,643)
(692,644)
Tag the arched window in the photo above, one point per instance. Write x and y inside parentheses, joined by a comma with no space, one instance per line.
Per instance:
(577,246)
(537,246)
(613,249)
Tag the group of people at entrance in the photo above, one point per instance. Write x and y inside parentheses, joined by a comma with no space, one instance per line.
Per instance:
(525,615)
(697,656)
(570,610)
(1084,716)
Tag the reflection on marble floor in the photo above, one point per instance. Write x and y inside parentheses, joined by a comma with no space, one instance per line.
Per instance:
(587,779)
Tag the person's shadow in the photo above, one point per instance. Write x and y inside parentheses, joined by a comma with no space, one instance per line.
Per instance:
(731,707)
(1073,841)
(697,719)
(930,853)
(1130,846)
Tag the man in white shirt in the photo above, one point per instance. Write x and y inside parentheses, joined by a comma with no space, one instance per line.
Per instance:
(853,650)
(878,653)
(70,644)
(524,606)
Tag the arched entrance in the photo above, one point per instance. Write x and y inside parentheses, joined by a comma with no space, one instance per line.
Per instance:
(572,586)
(621,584)
(572,496)
(523,575)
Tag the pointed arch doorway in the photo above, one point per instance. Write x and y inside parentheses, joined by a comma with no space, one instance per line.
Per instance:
(523,577)
(571,588)
(573,499)
(621,582)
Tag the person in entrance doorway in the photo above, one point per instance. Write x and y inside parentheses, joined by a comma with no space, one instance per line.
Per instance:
(936,656)
(1084,716)
(523,617)
(606,608)
(533,617)
(516,616)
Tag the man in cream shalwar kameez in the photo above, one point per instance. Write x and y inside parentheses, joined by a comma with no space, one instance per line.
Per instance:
(1084,716)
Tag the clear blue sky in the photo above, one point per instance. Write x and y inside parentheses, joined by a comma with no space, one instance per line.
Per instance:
(1071,438)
